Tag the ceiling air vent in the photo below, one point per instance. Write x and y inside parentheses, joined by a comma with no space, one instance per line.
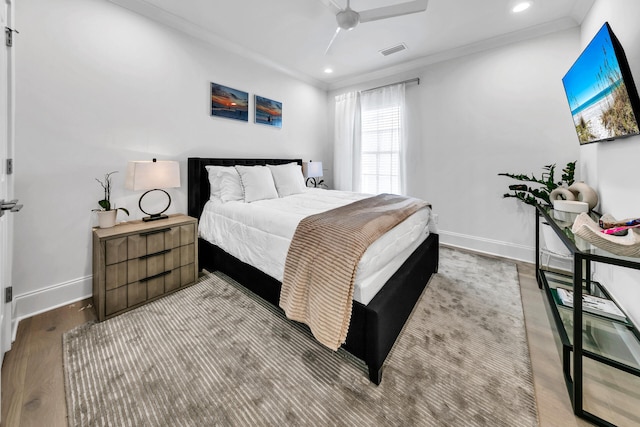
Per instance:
(393,49)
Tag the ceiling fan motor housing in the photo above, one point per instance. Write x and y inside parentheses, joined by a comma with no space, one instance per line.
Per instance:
(348,19)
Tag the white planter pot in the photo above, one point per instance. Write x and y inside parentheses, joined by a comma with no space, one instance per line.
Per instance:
(107,219)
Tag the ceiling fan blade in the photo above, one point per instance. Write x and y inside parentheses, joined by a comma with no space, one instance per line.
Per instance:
(406,8)
(333,5)
(332,40)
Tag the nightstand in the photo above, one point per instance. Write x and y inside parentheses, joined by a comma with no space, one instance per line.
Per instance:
(136,262)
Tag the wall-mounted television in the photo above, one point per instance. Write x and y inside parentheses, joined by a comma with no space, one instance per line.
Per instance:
(602,97)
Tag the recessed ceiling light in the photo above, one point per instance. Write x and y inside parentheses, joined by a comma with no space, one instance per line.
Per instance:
(328,70)
(521,7)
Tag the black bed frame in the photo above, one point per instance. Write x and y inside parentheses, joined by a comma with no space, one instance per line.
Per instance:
(374,327)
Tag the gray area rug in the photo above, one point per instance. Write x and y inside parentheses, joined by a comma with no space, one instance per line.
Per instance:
(213,354)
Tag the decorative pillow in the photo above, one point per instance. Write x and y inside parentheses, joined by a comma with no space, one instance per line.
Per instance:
(288,178)
(224,182)
(257,183)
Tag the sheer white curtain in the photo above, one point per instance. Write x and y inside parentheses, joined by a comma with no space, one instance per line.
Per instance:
(369,142)
(346,150)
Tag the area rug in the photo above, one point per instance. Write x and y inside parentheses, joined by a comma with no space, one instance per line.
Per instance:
(214,354)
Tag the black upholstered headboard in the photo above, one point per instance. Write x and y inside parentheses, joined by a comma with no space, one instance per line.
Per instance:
(198,178)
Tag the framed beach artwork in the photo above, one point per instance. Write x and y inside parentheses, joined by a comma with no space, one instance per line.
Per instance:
(268,112)
(229,103)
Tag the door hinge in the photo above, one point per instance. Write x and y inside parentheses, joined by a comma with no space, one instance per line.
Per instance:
(8,35)
(9,166)
(8,294)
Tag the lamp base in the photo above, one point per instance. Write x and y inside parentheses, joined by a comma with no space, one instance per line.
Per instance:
(154,217)
(158,215)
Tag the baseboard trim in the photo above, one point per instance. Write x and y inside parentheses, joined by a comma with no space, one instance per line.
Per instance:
(488,246)
(54,296)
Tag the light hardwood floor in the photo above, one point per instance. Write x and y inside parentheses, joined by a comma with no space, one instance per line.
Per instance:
(33,384)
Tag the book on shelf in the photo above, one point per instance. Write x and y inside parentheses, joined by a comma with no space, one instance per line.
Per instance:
(592,304)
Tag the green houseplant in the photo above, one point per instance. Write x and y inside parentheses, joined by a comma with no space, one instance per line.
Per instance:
(107,213)
(539,194)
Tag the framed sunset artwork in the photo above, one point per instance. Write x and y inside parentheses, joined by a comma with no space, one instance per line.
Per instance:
(229,103)
(268,112)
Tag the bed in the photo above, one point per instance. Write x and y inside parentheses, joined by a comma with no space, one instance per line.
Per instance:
(374,326)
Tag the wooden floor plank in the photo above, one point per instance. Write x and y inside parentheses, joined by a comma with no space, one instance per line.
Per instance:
(41,391)
(14,369)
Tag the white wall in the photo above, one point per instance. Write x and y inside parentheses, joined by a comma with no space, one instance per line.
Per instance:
(97,86)
(502,110)
(611,167)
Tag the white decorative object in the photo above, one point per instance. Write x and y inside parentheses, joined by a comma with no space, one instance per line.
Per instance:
(561,193)
(587,228)
(570,206)
(107,219)
(584,193)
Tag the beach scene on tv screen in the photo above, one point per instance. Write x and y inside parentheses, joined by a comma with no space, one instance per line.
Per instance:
(597,93)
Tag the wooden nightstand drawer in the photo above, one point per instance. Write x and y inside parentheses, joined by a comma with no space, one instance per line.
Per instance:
(116,250)
(116,300)
(156,241)
(116,275)
(137,262)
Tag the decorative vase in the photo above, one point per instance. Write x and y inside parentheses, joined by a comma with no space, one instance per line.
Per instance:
(584,193)
(561,193)
(107,219)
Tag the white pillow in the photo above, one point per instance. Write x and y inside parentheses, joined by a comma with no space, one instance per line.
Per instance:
(288,179)
(224,182)
(257,183)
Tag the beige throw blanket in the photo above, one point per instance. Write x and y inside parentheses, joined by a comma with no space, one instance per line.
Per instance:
(320,268)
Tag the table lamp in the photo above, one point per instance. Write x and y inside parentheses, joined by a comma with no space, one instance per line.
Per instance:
(153,175)
(311,171)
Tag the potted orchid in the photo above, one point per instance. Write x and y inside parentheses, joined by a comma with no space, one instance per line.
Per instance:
(107,213)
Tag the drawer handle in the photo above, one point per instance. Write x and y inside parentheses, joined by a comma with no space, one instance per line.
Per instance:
(164,273)
(162,230)
(166,251)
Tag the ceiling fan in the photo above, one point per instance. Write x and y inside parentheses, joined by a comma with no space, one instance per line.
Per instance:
(348,18)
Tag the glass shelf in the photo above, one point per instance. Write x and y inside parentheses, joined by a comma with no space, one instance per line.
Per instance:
(604,337)
(609,338)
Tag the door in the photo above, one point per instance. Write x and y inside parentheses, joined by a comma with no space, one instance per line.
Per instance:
(6,180)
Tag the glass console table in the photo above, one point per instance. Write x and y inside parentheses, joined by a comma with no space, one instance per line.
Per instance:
(603,339)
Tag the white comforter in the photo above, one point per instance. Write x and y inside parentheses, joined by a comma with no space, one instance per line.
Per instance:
(260,233)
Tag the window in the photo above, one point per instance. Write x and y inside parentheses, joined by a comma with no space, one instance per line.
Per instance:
(380,148)
(369,140)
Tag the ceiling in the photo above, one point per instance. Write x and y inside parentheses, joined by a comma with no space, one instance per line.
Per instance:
(292,35)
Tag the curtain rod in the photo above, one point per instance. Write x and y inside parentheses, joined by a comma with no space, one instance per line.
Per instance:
(416,80)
